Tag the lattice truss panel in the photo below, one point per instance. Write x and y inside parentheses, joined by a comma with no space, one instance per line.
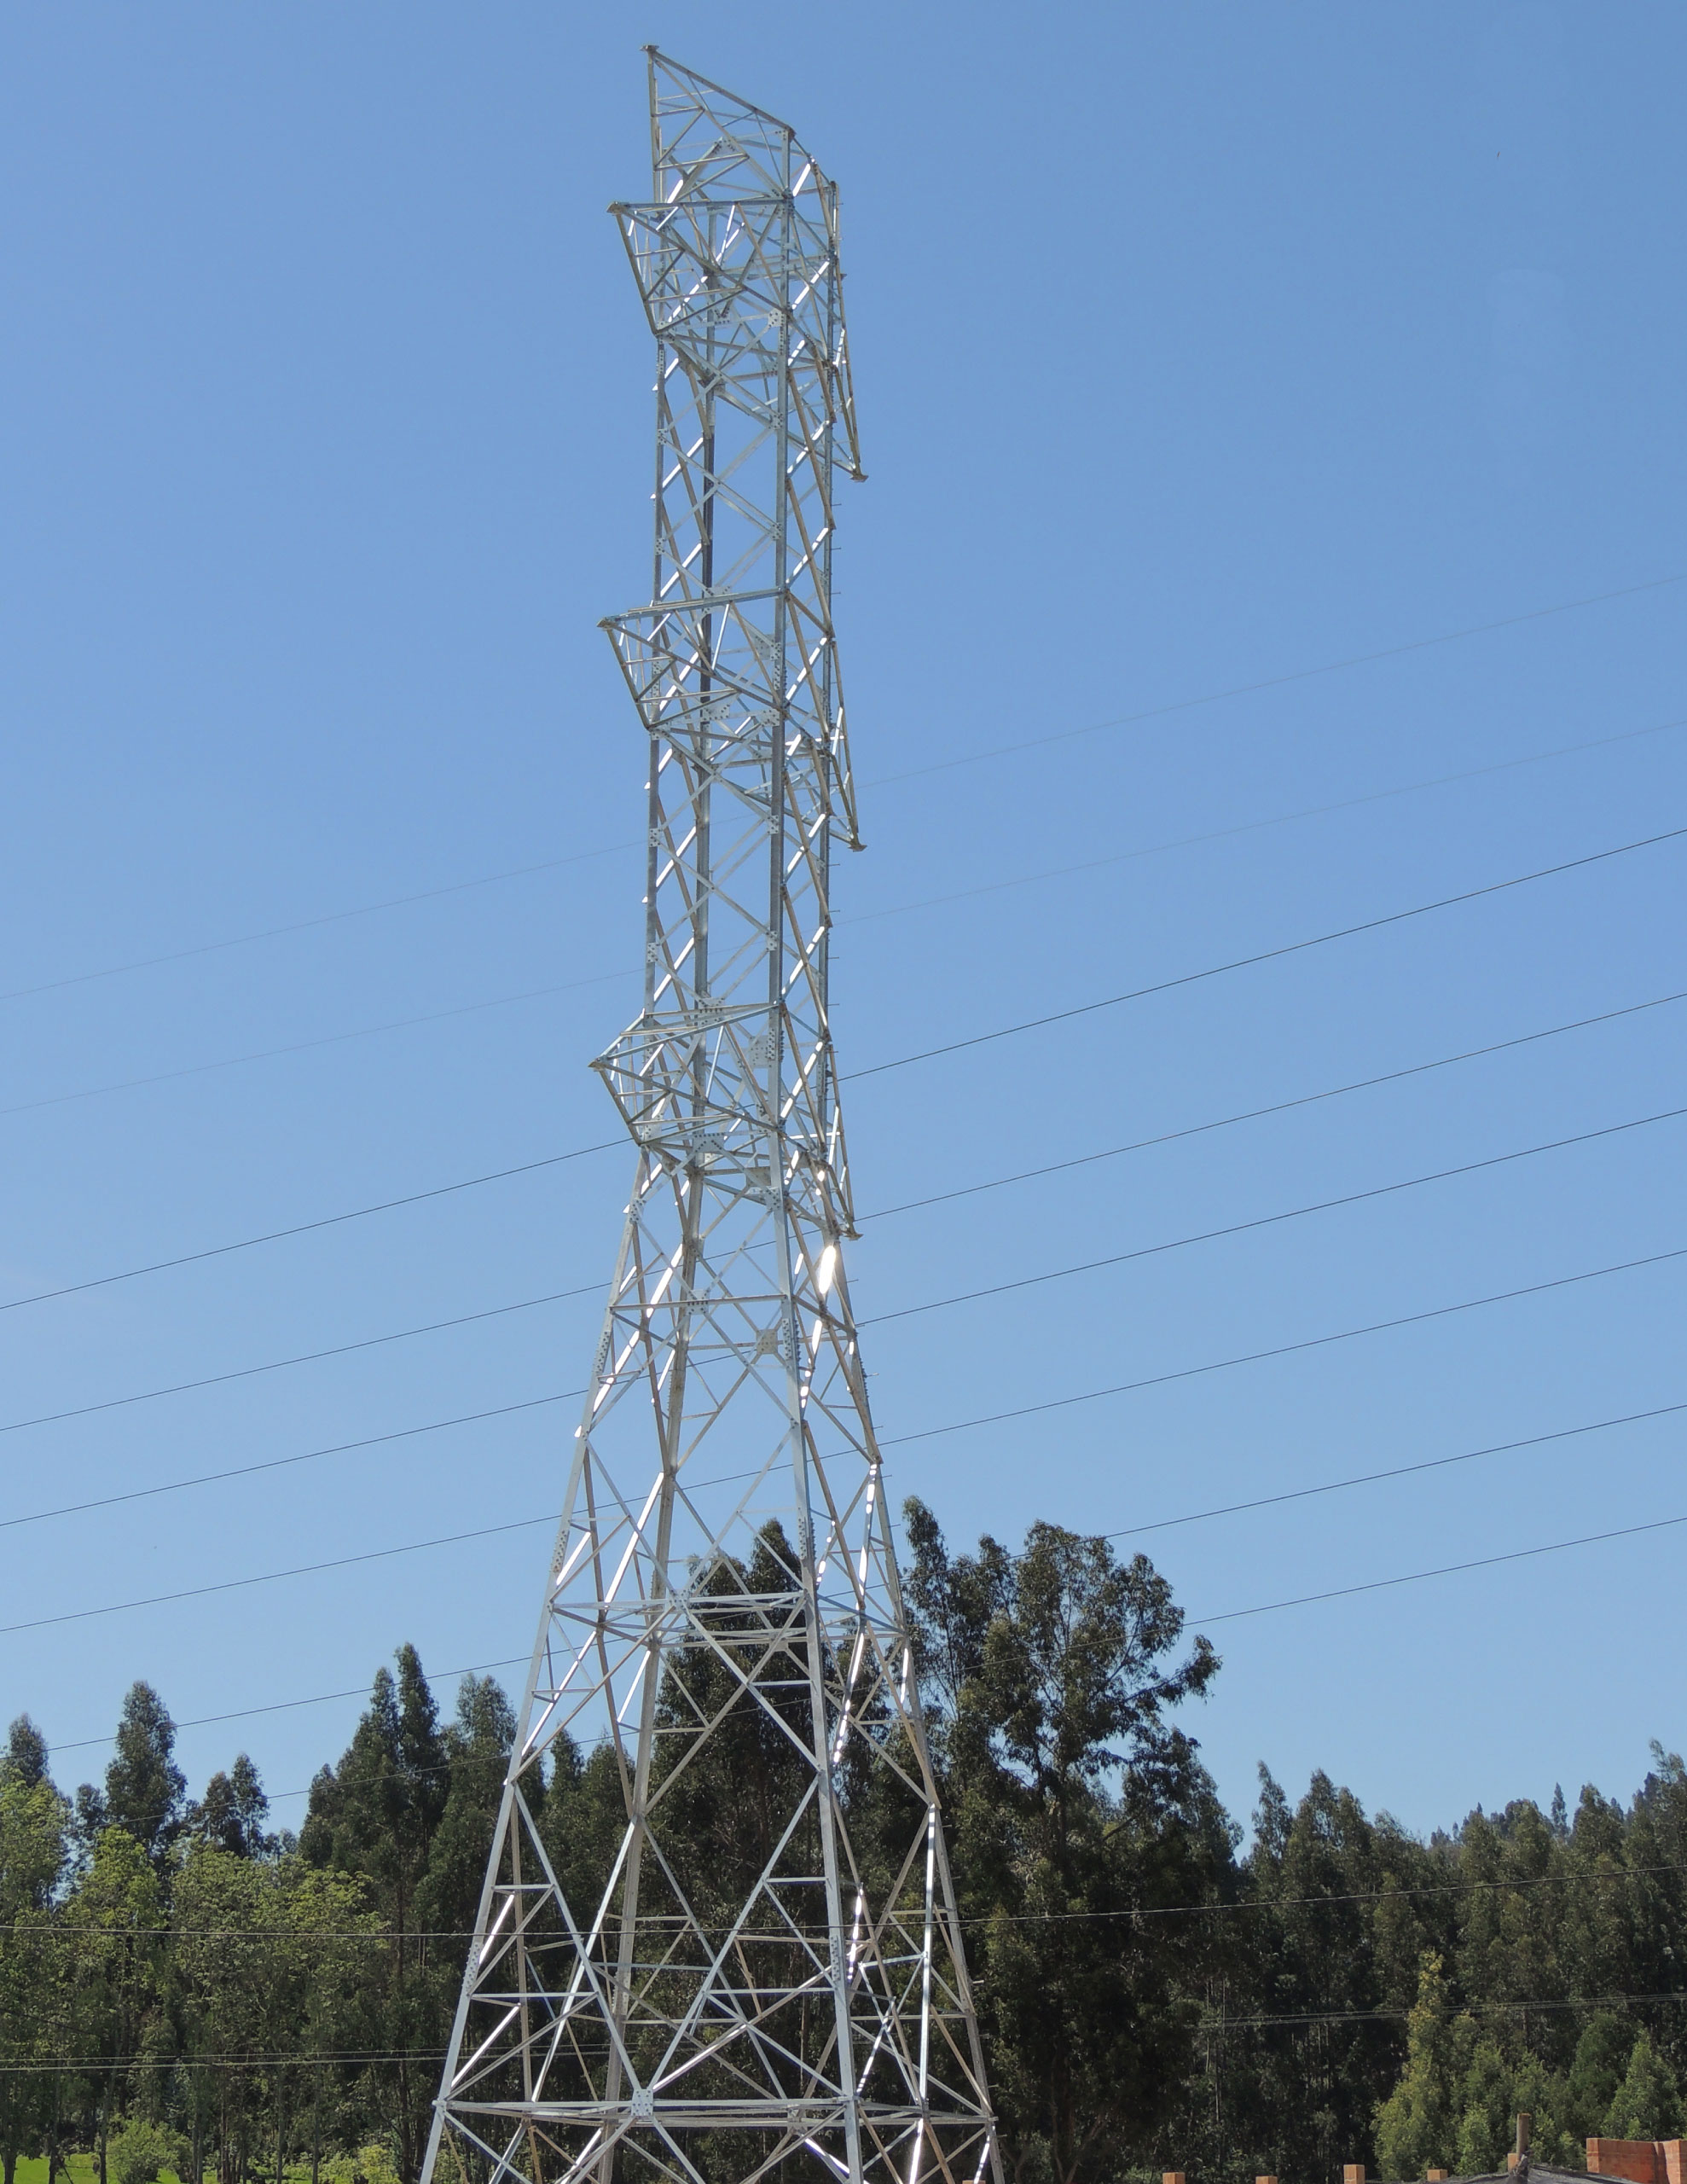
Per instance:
(758,1970)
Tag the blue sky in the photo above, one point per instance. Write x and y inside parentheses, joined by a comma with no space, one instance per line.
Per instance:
(1196,350)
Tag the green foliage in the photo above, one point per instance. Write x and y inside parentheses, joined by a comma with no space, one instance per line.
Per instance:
(1647,2104)
(34,1852)
(1485,2119)
(141,2151)
(1417,2126)
(1496,2089)
(144,1787)
(376,1817)
(477,1750)
(25,1759)
(1596,2070)
(369,2165)
(1076,1806)
(33,1821)
(230,1815)
(1149,1997)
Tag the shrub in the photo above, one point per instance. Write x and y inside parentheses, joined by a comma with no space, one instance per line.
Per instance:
(370,2165)
(140,2151)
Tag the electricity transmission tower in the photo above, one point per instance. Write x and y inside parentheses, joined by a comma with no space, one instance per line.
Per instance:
(762,1973)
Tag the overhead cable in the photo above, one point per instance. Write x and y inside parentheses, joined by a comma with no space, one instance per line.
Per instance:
(1269,954)
(1382,2014)
(925,1433)
(967,758)
(1146,1250)
(1276,1107)
(306,1228)
(1252,826)
(283,1463)
(75,2068)
(274,1577)
(304,1045)
(1445,1570)
(1281,1349)
(311,924)
(1279,681)
(1392,1890)
(1399,1471)
(611,1144)
(1130,1531)
(292,1705)
(452,1539)
(903,1061)
(1269,1220)
(304,1357)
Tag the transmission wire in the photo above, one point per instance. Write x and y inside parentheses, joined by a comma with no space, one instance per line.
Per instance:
(903,1061)
(934,1305)
(1282,1350)
(1277,681)
(1165,1524)
(1277,1107)
(581,856)
(451,1539)
(1269,1220)
(1265,955)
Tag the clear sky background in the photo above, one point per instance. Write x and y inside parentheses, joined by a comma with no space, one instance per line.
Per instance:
(1240,386)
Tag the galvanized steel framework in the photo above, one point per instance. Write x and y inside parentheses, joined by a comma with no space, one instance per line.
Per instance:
(725,1567)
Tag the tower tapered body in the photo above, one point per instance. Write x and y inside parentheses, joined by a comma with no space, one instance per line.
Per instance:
(739,1955)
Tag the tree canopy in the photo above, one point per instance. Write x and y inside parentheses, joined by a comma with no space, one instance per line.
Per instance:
(186,1985)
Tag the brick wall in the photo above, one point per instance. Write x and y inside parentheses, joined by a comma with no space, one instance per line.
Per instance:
(1641,2161)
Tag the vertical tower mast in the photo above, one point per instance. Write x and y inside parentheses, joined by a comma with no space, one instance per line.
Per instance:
(749,1962)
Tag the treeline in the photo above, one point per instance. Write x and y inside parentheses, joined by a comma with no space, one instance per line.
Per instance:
(183,1988)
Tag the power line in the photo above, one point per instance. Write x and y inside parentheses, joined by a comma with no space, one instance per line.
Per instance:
(1133,1912)
(452,1539)
(1391,1889)
(304,1357)
(1282,1350)
(285,1463)
(874,1069)
(310,925)
(1277,1107)
(1446,1569)
(1399,1471)
(613,849)
(305,1046)
(958,1426)
(561,1296)
(305,1227)
(1278,681)
(274,1577)
(77,2067)
(1382,2014)
(1268,955)
(1257,826)
(290,1705)
(1270,1220)
(612,1145)
(1254,2022)
(1165,1524)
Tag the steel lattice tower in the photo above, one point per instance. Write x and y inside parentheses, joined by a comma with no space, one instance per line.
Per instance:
(773,1980)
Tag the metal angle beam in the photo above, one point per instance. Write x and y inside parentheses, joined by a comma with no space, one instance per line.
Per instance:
(742,1958)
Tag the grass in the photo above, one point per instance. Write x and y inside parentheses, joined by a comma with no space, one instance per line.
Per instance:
(85,2168)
